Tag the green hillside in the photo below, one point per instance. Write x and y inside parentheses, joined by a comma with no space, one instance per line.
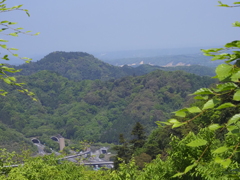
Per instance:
(96,110)
(12,140)
(76,66)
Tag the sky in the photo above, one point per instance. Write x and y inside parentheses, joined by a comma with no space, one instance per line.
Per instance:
(116,25)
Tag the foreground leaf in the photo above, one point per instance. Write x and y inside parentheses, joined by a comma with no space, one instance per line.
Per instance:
(234,119)
(225,105)
(221,150)
(190,168)
(223,71)
(214,127)
(197,143)
(194,109)
(236,96)
(209,104)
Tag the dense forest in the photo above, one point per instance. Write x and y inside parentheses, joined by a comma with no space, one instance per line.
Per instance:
(94,110)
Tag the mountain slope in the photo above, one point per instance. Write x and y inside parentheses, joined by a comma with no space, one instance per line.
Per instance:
(80,66)
(75,66)
(96,110)
(12,140)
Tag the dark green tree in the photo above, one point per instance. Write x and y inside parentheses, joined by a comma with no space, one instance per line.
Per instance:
(124,152)
(139,136)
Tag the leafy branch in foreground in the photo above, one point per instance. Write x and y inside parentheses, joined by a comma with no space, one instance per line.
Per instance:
(8,30)
(225,95)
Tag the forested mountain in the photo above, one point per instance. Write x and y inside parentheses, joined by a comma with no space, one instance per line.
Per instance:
(75,66)
(79,66)
(96,110)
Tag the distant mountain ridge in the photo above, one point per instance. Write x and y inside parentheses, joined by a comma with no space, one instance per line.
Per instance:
(166,61)
(143,53)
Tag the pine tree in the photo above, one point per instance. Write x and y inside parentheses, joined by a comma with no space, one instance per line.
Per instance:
(124,152)
(139,136)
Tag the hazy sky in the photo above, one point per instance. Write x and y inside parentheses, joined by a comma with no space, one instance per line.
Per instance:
(110,25)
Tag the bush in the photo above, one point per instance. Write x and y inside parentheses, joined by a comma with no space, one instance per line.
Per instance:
(47,149)
(112,158)
(101,156)
(66,150)
(142,159)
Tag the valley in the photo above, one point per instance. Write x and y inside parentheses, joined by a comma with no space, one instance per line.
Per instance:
(83,98)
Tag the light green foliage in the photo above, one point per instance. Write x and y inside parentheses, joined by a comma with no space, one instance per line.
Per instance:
(126,171)
(48,168)
(7,28)
(225,95)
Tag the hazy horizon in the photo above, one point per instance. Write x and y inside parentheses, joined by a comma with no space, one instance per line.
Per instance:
(114,25)
(121,54)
